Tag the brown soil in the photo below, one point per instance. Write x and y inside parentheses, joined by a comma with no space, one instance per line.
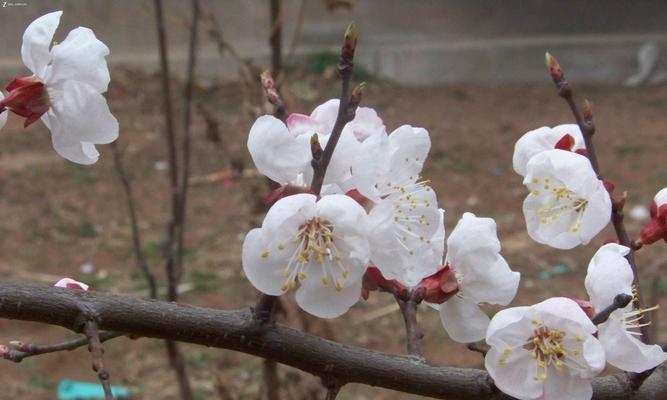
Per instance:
(57,216)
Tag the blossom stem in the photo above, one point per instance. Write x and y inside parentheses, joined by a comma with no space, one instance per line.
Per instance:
(413,334)
(346,109)
(29,350)
(92,333)
(587,127)
(620,301)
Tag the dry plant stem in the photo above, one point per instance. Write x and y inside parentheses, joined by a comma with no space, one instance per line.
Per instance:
(296,37)
(237,330)
(587,127)
(170,136)
(413,335)
(139,255)
(187,138)
(30,350)
(275,37)
(173,351)
(620,301)
(92,333)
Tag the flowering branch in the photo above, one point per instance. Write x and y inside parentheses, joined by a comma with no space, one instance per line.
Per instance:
(92,333)
(236,330)
(346,110)
(22,350)
(409,310)
(620,301)
(587,127)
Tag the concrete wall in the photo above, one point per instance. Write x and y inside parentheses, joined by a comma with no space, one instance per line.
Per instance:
(416,41)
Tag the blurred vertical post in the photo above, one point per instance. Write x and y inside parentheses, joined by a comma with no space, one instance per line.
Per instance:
(275,37)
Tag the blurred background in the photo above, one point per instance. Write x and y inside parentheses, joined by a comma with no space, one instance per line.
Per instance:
(471,72)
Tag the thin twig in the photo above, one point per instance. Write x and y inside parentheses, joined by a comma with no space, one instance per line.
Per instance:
(587,127)
(273,96)
(170,136)
(413,335)
(296,37)
(26,350)
(92,333)
(265,308)
(187,138)
(346,109)
(479,348)
(270,373)
(139,255)
(173,351)
(620,301)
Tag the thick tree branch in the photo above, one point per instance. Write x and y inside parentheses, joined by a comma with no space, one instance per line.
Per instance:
(236,330)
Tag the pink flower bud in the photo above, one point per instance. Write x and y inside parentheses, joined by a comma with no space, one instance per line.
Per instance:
(71,284)
(27,97)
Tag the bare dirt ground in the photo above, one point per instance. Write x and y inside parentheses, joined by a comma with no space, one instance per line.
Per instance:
(58,216)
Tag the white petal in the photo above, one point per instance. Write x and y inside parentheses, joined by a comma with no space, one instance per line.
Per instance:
(265,273)
(563,386)
(515,376)
(344,213)
(463,320)
(68,147)
(473,250)
(660,197)
(341,161)
(509,327)
(371,166)
(438,239)
(4,114)
(299,124)
(325,301)
(594,356)
(366,124)
(65,282)
(277,153)
(80,57)
(542,139)
(37,40)
(302,205)
(626,352)
(556,311)
(83,114)
(609,274)
(410,147)
(326,114)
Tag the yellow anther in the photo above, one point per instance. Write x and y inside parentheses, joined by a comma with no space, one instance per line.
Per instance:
(264,254)
(338,287)
(301,276)
(325,280)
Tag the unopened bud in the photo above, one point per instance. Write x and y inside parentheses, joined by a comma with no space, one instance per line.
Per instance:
(315,147)
(554,68)
(349,42)
(4,350)
(357,94)
(588,109)
(18,345)
(267,79)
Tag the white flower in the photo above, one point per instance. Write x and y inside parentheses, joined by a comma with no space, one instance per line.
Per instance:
(656,229)
(567,204)
(405,216)
(546,351)
(71,284)
(283,152)
(319,245)
(564,137)
(65,89)
(610,274)
(3,114)
(483,276)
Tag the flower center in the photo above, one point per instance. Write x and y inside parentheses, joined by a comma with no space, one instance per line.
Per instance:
(315,248)
(548,348)
(558,200)
(410,204)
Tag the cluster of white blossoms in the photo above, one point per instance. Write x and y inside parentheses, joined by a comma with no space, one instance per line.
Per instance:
(375,210)
(567,204)
(552,350)
(64,90)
